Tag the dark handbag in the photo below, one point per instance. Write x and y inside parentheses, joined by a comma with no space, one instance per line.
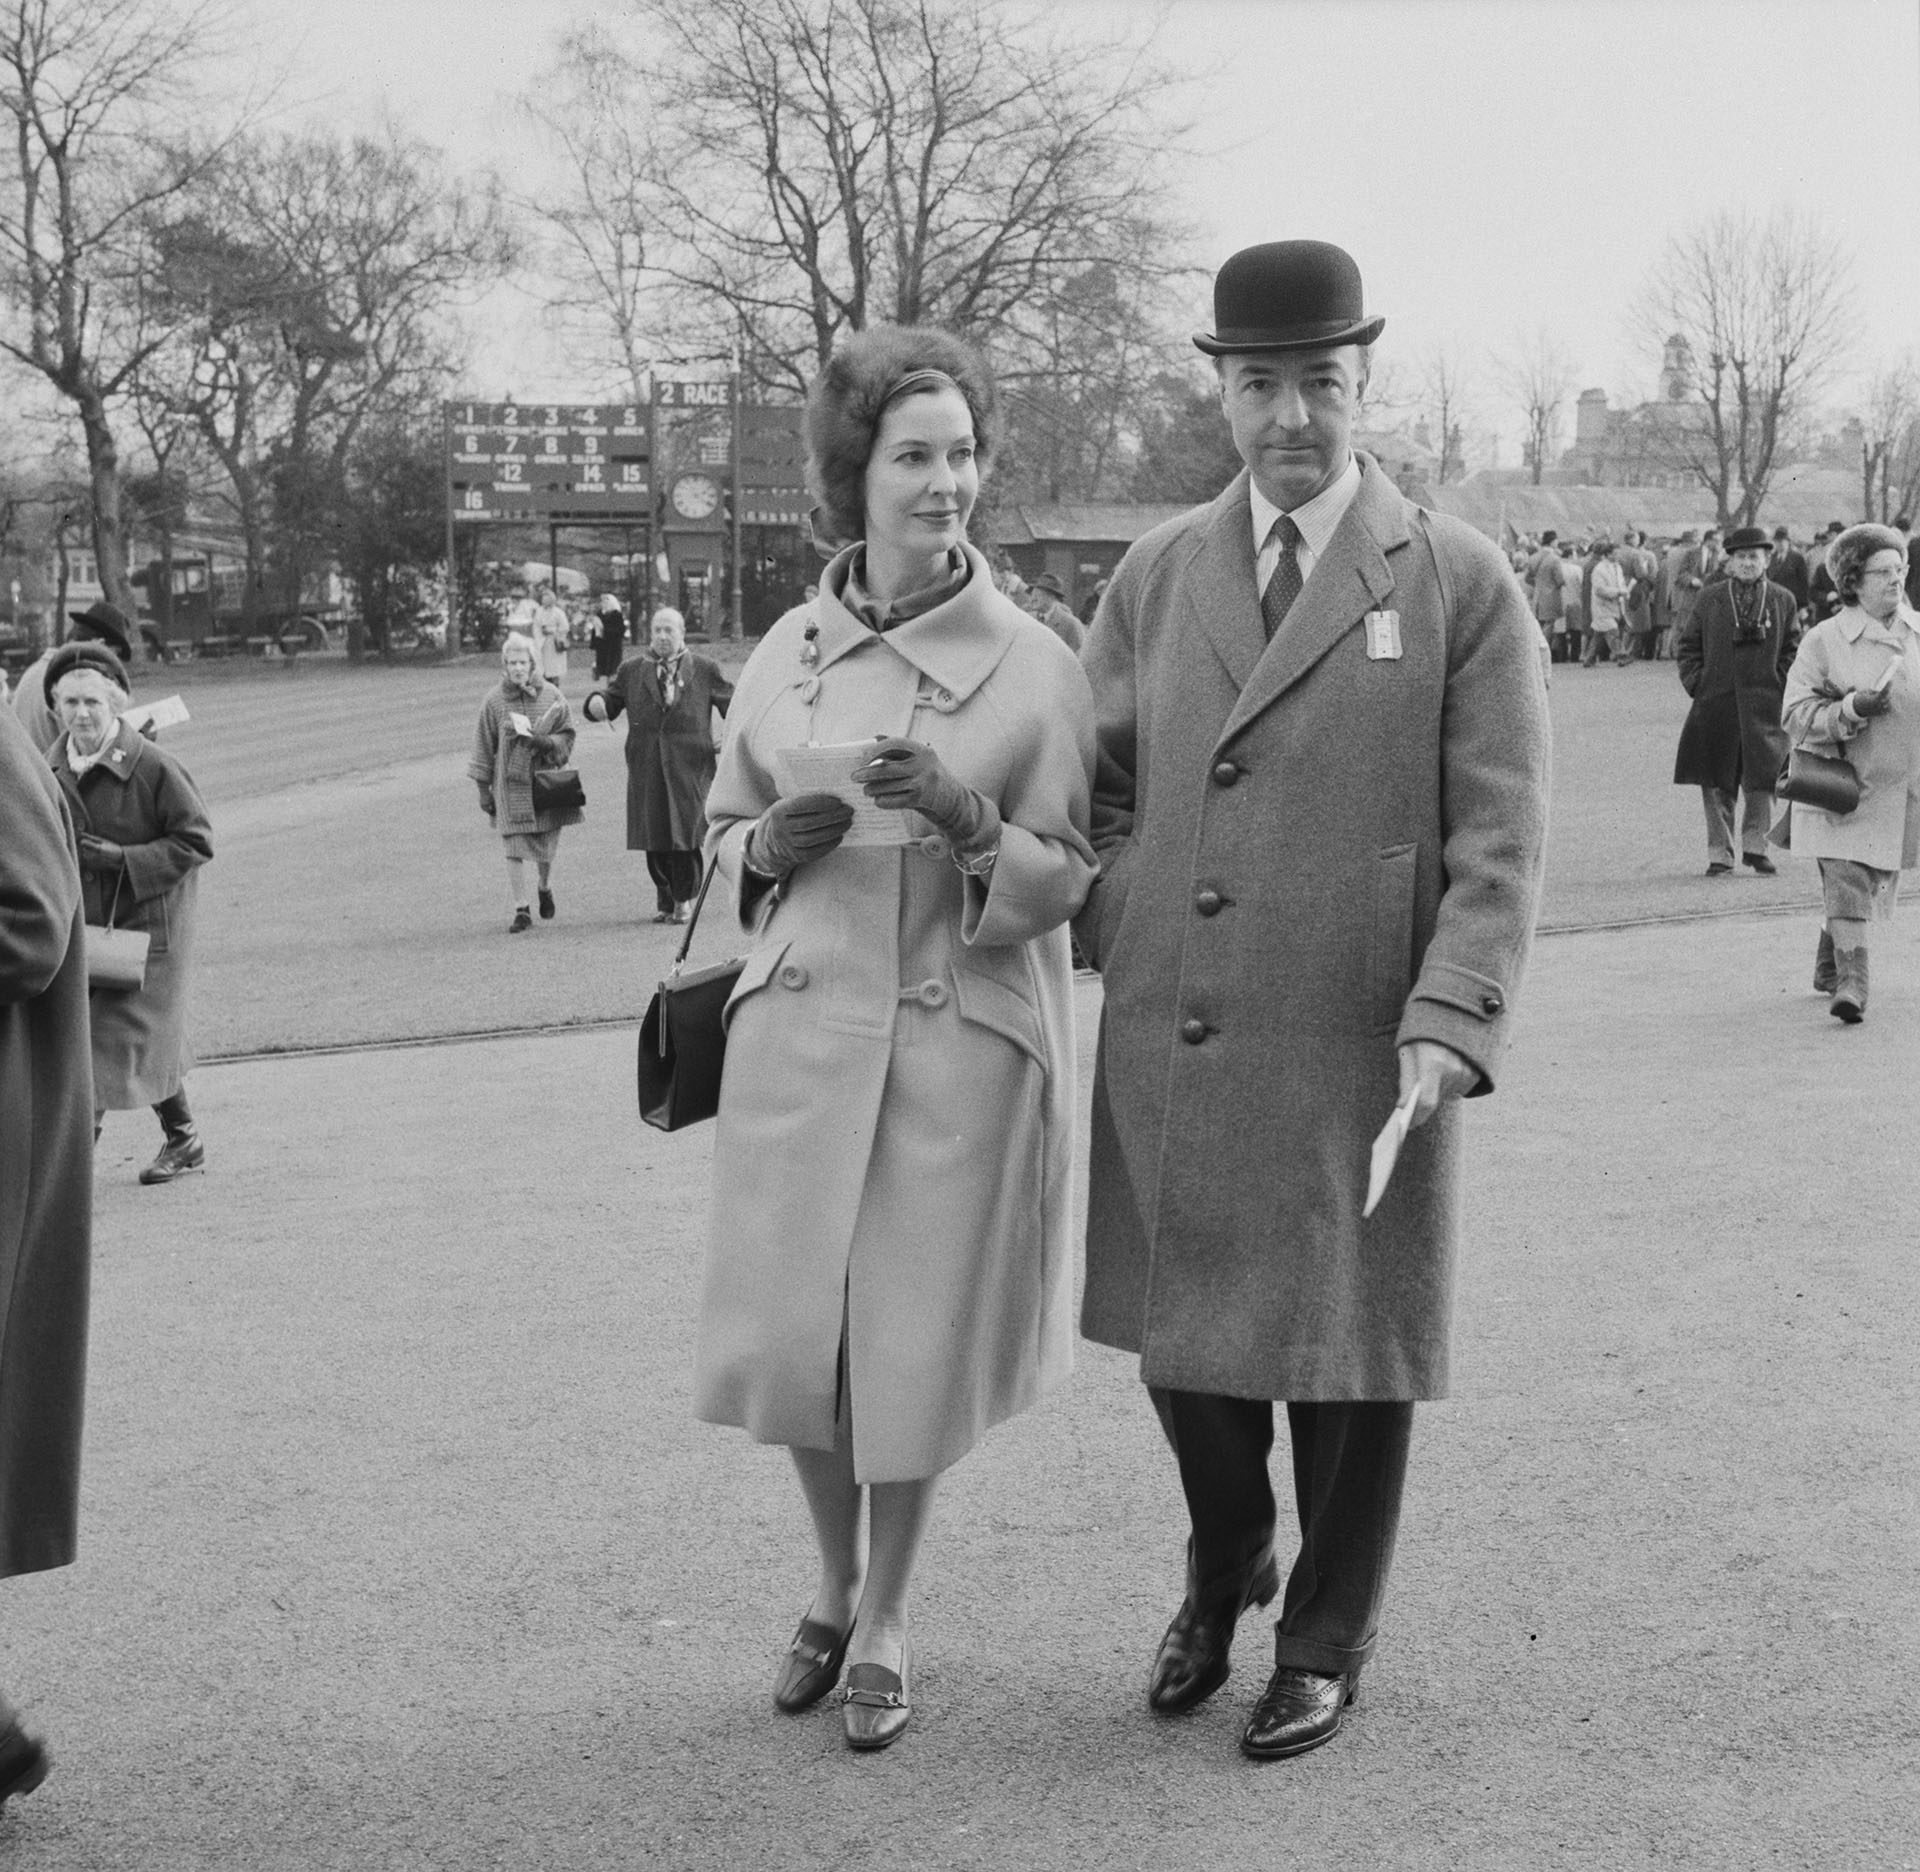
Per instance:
(1822,780)
(557,788)
(683,1037)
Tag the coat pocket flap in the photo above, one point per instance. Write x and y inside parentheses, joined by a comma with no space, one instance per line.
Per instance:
(992,1004)
(1463,988)
(755,975)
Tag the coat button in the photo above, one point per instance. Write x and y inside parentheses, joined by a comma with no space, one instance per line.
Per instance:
(792,975)
(1490,1002)
(1193,1031)
(934,846)
(931,994)
(1225,774)
(1209,903)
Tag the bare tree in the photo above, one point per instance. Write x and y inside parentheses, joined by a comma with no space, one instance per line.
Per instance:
(1765,308)
(1445,398)
(1538,377)
(779,172)
(92,90)
(1890,441)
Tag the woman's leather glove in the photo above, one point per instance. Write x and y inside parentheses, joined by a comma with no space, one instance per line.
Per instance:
(1867,703)
(98,854)
(797,831)
(908,776)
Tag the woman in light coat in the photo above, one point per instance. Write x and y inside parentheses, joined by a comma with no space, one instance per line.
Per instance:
(1854,692)
(524,724)
(143,835)
(889,1272)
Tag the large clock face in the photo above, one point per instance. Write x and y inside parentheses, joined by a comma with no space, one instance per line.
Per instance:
(695,496)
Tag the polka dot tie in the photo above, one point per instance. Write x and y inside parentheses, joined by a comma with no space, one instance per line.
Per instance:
(1284,586)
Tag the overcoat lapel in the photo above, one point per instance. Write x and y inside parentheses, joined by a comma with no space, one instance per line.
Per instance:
(1349,579)
(1220,585)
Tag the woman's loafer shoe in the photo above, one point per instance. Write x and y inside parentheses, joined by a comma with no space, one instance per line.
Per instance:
(1300,1710)
(23,1762)
(1191,1663)
(811,1667)
(876,1709)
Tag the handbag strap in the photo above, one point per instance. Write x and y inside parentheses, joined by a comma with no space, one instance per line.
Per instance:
(693,922)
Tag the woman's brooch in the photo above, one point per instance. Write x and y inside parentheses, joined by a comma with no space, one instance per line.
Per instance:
(810,649)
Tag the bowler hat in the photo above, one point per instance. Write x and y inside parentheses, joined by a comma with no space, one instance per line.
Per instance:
(1288,296)
(101,619)
(82,655)
(1050,582)
(1747,539)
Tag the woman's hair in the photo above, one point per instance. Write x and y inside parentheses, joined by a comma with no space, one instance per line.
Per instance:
(519,640)
(867,372)
(1848,555)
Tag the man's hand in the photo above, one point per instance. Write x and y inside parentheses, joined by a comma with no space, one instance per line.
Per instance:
(1440,1073)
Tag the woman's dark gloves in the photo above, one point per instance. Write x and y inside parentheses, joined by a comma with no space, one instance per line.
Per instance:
(796,831)
(1867,703)
(98,854)
(908,776)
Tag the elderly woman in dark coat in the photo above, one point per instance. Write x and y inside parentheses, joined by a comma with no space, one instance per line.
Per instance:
(524,724)
(669,695)
(46,1188)
(1733,652)
(144,834)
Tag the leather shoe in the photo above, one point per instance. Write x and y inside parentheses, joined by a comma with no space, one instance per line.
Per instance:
(23,1762)
(811,1667)
(1717,869)
(1300,1710)
(1761,863)
(1191,1663)
(877,1709)
(179,1154)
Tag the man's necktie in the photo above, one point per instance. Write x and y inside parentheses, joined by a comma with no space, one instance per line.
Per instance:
(1284,586)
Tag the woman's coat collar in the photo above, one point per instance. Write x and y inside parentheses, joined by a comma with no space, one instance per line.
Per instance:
(956,645)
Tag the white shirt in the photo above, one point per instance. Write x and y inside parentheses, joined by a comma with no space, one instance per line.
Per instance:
(1318,520)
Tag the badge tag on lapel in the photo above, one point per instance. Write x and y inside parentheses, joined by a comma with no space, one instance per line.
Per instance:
(1383,636)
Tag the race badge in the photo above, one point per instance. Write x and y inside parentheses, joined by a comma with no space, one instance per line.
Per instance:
(1383,636)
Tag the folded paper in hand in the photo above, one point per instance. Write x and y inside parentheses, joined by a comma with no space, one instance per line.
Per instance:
(830,770)
(1386,1149)
(168,712)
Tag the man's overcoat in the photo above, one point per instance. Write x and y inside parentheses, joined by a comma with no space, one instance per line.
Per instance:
(893,1165)
(1732,737)
(145,801)
(1314,850)
(46,1163)
(670,757)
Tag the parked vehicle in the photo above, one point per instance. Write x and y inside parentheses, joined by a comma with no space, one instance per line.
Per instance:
(200,610)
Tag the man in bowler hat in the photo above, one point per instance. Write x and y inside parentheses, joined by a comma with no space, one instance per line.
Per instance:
(1321,807)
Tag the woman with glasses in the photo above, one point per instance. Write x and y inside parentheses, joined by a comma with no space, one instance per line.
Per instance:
(1854,693)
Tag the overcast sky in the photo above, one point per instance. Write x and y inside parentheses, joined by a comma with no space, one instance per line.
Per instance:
(1494,165)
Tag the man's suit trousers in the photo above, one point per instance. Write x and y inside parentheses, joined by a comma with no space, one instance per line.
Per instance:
(1349,1470)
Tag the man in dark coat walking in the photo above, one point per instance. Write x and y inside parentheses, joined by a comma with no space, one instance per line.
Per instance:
(1320,806)
(1733,656)
(669,694)
(46,1188)
(1788,569)
(609,637)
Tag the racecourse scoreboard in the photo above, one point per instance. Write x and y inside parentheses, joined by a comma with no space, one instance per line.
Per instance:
(549,461)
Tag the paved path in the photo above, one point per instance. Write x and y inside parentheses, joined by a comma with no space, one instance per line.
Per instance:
(400,1549)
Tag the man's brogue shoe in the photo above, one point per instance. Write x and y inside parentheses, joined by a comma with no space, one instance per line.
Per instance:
(1191,1663)
(1300,1710)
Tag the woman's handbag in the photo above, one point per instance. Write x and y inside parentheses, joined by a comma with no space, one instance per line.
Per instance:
(116,958)
(1822,780)
(683,1037)
(557,788)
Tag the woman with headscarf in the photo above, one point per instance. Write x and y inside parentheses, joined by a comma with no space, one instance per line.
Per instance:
(669,695)
(524,725)
(889,1270)
(143,834)
(1854,692)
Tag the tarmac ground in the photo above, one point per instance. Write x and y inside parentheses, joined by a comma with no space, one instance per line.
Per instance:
(401,1549)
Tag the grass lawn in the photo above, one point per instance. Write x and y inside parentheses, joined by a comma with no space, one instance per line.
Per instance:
(357,893)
